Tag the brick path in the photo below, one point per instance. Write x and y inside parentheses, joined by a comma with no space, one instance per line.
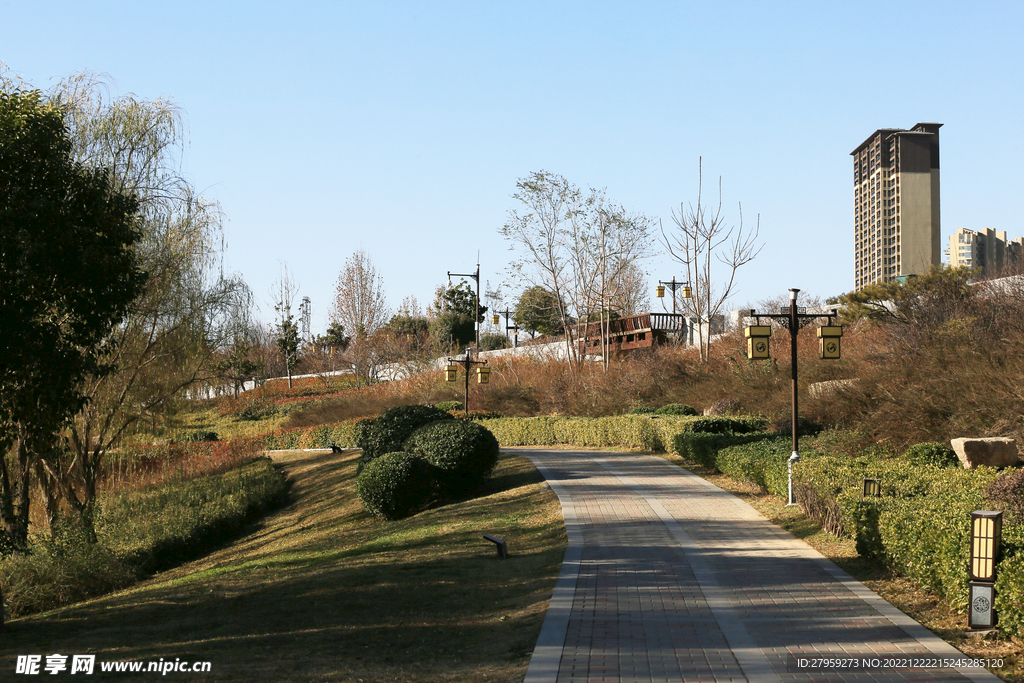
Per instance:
(668,578)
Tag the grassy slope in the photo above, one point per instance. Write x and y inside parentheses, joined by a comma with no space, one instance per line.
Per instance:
(320,591)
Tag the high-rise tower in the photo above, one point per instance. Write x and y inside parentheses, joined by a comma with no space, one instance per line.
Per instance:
(897,231)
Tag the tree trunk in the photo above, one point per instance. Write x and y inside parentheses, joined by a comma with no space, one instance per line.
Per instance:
(14,496)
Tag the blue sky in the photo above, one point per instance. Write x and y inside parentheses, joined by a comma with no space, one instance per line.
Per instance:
(400,128)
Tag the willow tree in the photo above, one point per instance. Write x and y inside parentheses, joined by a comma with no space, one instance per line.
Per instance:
(172,331)
(70,273)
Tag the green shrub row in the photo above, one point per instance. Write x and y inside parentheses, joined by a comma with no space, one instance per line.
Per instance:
(764,462)
(661,433)
(703,448)
(919,526)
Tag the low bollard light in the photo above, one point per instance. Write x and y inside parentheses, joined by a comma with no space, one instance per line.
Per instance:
(986,541)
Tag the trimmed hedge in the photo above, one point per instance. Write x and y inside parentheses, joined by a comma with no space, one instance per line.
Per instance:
(449,405)
(652,433)
(920,526)
(703,448)
(764,462)
(675,409)
(462,453)
(1010,594)
(388,432)
(931,453)
(395,485)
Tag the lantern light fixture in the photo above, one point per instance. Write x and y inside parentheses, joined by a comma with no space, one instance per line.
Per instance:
(986,540)
(757,341)
(872,488)
(829,337)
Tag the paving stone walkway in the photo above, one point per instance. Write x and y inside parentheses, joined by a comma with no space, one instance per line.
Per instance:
(668,578)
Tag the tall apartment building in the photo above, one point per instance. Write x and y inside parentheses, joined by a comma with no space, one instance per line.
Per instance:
(896,204)
(986,250)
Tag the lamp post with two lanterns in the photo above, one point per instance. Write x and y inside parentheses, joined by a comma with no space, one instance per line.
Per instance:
(794,318)
(483,373)
(674,285)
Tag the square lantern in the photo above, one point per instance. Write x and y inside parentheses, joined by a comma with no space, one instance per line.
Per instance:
(450,373)
(872,488)
(828,341)
(986,538)
(483,375)
(687,293)
(660,291)
(495,319)
(757,341)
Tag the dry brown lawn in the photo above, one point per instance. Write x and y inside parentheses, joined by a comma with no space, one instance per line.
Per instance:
(321,591)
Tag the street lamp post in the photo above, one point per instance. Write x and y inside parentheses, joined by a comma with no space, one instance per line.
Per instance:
(794,320)
(467,362)
(515,328)
(476,317)
(673,285)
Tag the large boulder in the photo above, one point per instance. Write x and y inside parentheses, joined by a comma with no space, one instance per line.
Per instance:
(992,451)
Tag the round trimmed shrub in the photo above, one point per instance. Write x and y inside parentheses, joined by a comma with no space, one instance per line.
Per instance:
(389,431)
(395,485)
(675,409)
(449,405)
(931,453)
(360,428)
(462,453)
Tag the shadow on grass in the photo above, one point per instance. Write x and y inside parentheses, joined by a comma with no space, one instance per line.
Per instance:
(323,592)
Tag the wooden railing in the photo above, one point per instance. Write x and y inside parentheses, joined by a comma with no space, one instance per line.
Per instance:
(665,322)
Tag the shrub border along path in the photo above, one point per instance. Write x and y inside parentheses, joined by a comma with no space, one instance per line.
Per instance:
(621,513)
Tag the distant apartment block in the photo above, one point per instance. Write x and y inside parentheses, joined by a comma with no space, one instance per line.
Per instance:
(897,230)
(985,250)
